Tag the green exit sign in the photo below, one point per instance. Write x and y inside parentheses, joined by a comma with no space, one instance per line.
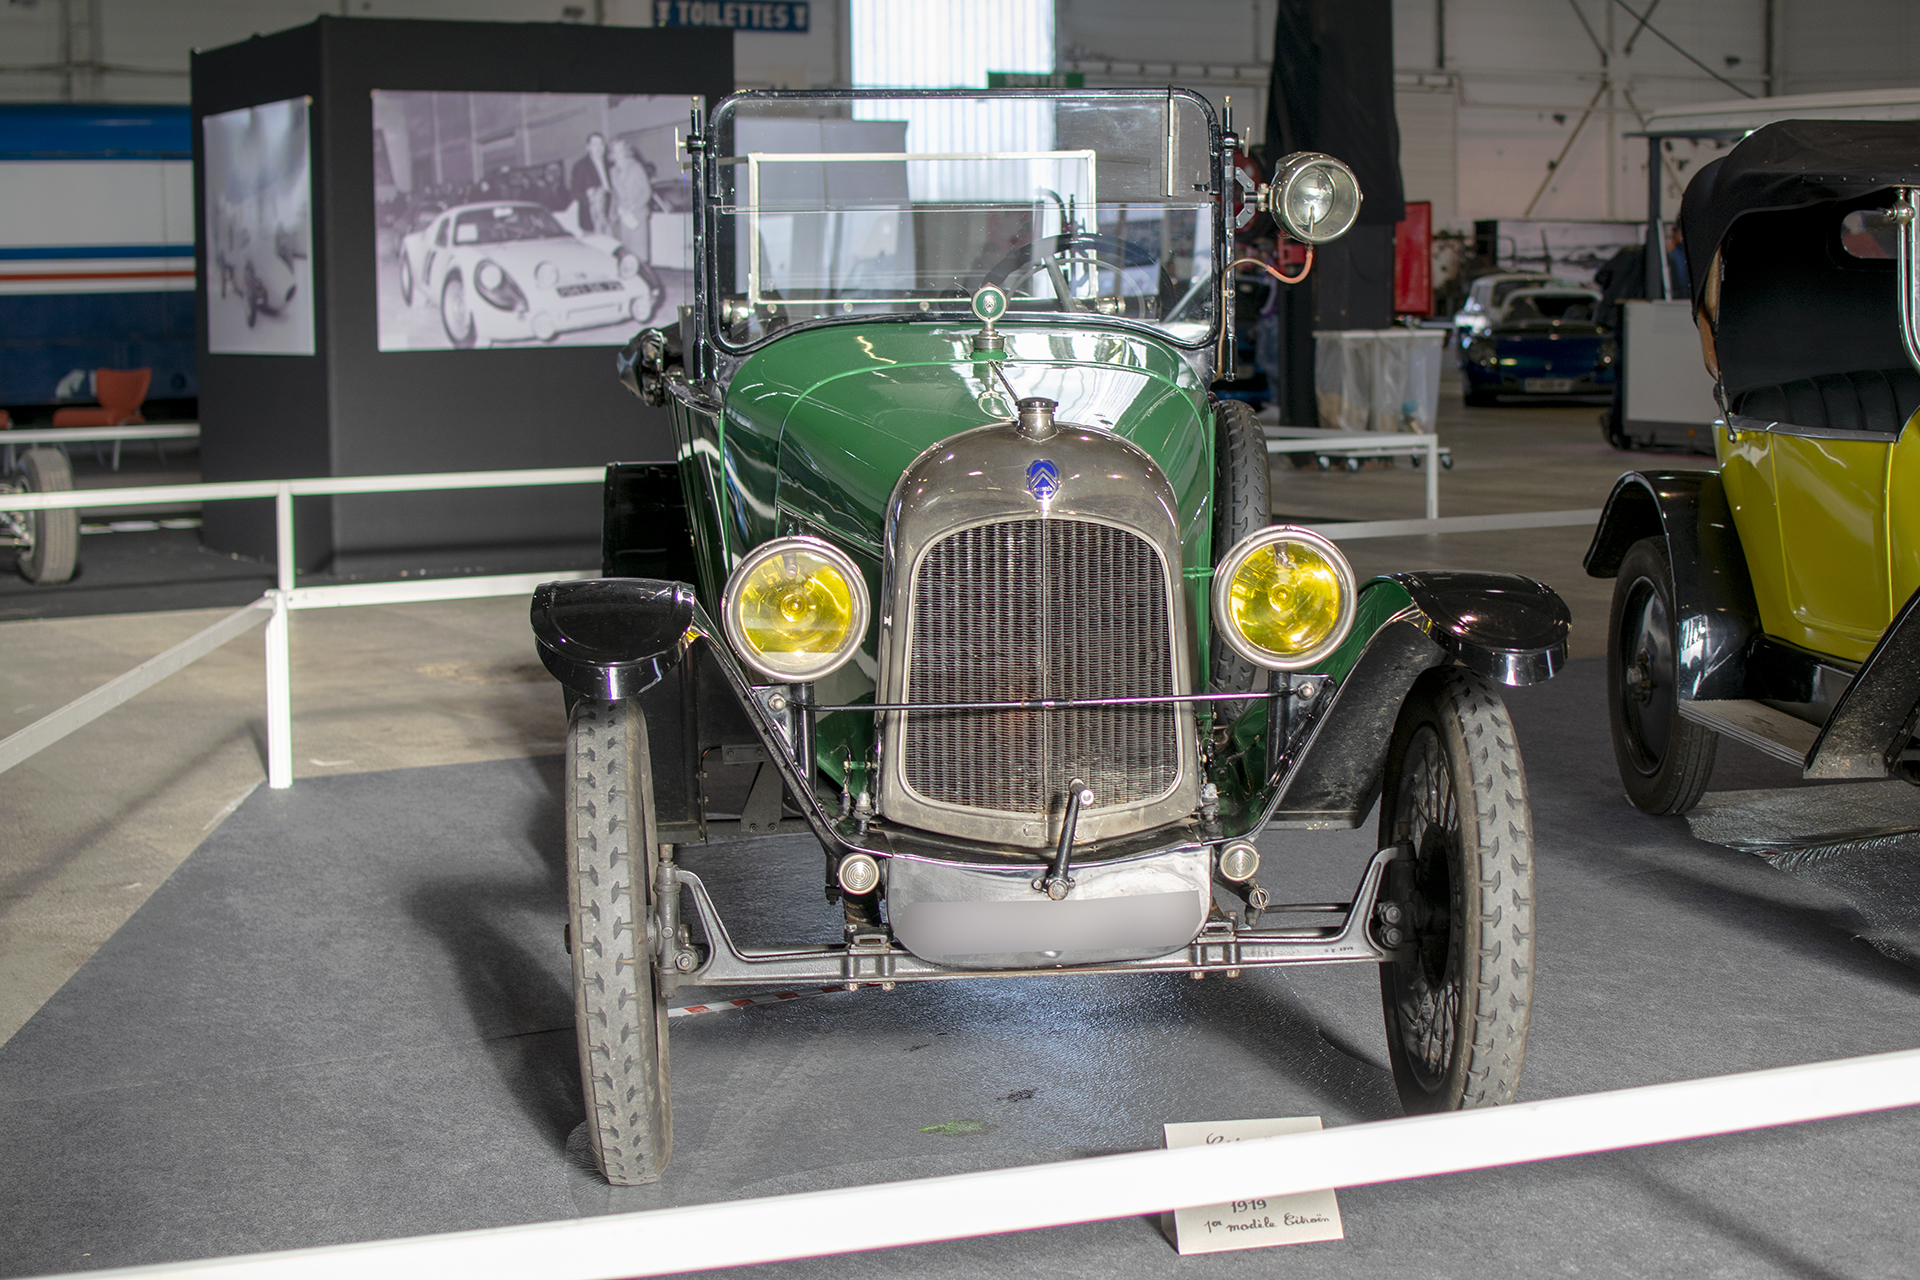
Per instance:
(1036,80)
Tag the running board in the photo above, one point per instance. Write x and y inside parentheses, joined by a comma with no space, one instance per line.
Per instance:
(1756,724)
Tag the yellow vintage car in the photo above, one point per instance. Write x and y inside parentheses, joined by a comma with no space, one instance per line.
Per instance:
(1774,601)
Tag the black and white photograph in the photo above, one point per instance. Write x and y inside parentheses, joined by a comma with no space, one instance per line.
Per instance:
(517,219)
(259,231)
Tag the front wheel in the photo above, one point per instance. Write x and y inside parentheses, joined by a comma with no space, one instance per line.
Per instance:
(53,550)
(620,1017)
(456,313)
(1665,761)
(1458,992)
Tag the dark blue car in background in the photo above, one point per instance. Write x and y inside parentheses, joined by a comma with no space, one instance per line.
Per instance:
(1543,342)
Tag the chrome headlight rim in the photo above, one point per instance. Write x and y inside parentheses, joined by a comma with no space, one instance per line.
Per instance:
(1259,540)
(856,591)
(1289,171)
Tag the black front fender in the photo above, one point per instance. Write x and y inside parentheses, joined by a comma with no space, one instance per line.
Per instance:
(612,637)
(1716,621)
(1508,628)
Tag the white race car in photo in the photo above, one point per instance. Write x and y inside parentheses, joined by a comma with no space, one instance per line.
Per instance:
(510,271)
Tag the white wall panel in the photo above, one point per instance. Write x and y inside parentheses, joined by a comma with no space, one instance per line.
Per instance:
(1860,44)
(53,203)
(1217,48)
(1429,150)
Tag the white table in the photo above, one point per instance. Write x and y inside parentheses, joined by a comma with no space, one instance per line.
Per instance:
(1323,445)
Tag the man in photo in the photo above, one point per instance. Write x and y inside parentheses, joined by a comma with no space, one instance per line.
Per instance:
(593,188)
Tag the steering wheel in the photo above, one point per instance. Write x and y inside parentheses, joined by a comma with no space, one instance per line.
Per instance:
(1061,268)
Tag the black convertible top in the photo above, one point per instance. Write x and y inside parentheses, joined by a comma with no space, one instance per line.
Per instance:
(1791,164)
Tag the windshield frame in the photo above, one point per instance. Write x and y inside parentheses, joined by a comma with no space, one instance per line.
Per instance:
(709,200)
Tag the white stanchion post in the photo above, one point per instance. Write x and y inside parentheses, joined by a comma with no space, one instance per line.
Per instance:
(1433,476)
(279,698)
(283,534)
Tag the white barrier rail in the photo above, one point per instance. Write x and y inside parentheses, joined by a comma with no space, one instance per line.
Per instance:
(1353,530)
(13,437)
(888,1215)
(98,435)
(273,607)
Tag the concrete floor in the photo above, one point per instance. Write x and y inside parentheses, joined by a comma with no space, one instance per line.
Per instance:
(97,821)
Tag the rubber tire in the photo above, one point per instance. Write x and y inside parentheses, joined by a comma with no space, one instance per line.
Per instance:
(1454,727)
(1668,776)
(620,1016)
(406,279)
(1479,399)
(55,553)
(1243,503)
(473,326)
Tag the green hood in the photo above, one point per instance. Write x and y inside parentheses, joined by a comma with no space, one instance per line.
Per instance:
(820,425)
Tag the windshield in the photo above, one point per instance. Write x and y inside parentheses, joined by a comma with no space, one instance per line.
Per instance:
(1503,289)
(1535,308)
(503,223)
(1100,204)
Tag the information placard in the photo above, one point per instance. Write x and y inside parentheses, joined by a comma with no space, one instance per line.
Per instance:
(1257,1222)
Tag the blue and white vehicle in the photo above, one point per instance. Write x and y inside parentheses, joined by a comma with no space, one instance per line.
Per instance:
(96,249)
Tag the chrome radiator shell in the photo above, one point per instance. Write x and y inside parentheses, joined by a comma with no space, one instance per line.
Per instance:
(1110,509)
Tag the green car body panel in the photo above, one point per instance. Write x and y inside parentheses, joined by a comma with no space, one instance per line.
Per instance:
(819,425)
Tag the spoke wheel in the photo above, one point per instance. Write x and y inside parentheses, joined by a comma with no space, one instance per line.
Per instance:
(1665,762)
(456,316)
(1457,994)
(620,1016)
(53,537)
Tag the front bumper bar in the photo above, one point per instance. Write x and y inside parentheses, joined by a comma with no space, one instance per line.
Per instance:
(871,957)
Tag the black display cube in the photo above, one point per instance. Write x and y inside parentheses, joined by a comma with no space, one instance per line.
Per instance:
(361,405)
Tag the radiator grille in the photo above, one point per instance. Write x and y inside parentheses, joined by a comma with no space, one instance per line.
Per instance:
(1040,609)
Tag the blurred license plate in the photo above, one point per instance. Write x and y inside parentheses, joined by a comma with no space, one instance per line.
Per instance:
(1549,386)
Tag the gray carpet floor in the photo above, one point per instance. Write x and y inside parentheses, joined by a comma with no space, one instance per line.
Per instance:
(346,1017)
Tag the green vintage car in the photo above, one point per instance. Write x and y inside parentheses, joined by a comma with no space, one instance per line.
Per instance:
(962,571)
(1776,601)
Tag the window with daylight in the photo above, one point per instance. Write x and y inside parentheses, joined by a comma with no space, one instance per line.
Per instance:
(953,44)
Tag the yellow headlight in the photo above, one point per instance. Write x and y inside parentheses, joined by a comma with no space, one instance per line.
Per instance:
(1284,598)
(796,609)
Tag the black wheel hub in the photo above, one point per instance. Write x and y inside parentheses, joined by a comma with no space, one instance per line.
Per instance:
(1646,698)
(1429,971)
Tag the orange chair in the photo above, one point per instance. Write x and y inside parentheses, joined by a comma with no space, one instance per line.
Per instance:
(120,393)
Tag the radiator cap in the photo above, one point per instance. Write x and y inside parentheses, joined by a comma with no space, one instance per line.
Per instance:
(1036,417)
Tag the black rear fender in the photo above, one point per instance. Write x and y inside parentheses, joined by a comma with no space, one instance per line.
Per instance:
(1717,623)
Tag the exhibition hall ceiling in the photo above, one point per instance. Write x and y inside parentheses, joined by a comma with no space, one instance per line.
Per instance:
(1508,108)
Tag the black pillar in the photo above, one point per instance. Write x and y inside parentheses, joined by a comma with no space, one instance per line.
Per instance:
(1333,92)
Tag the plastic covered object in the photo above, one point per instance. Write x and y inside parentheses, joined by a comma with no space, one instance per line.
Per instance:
(1378,379)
